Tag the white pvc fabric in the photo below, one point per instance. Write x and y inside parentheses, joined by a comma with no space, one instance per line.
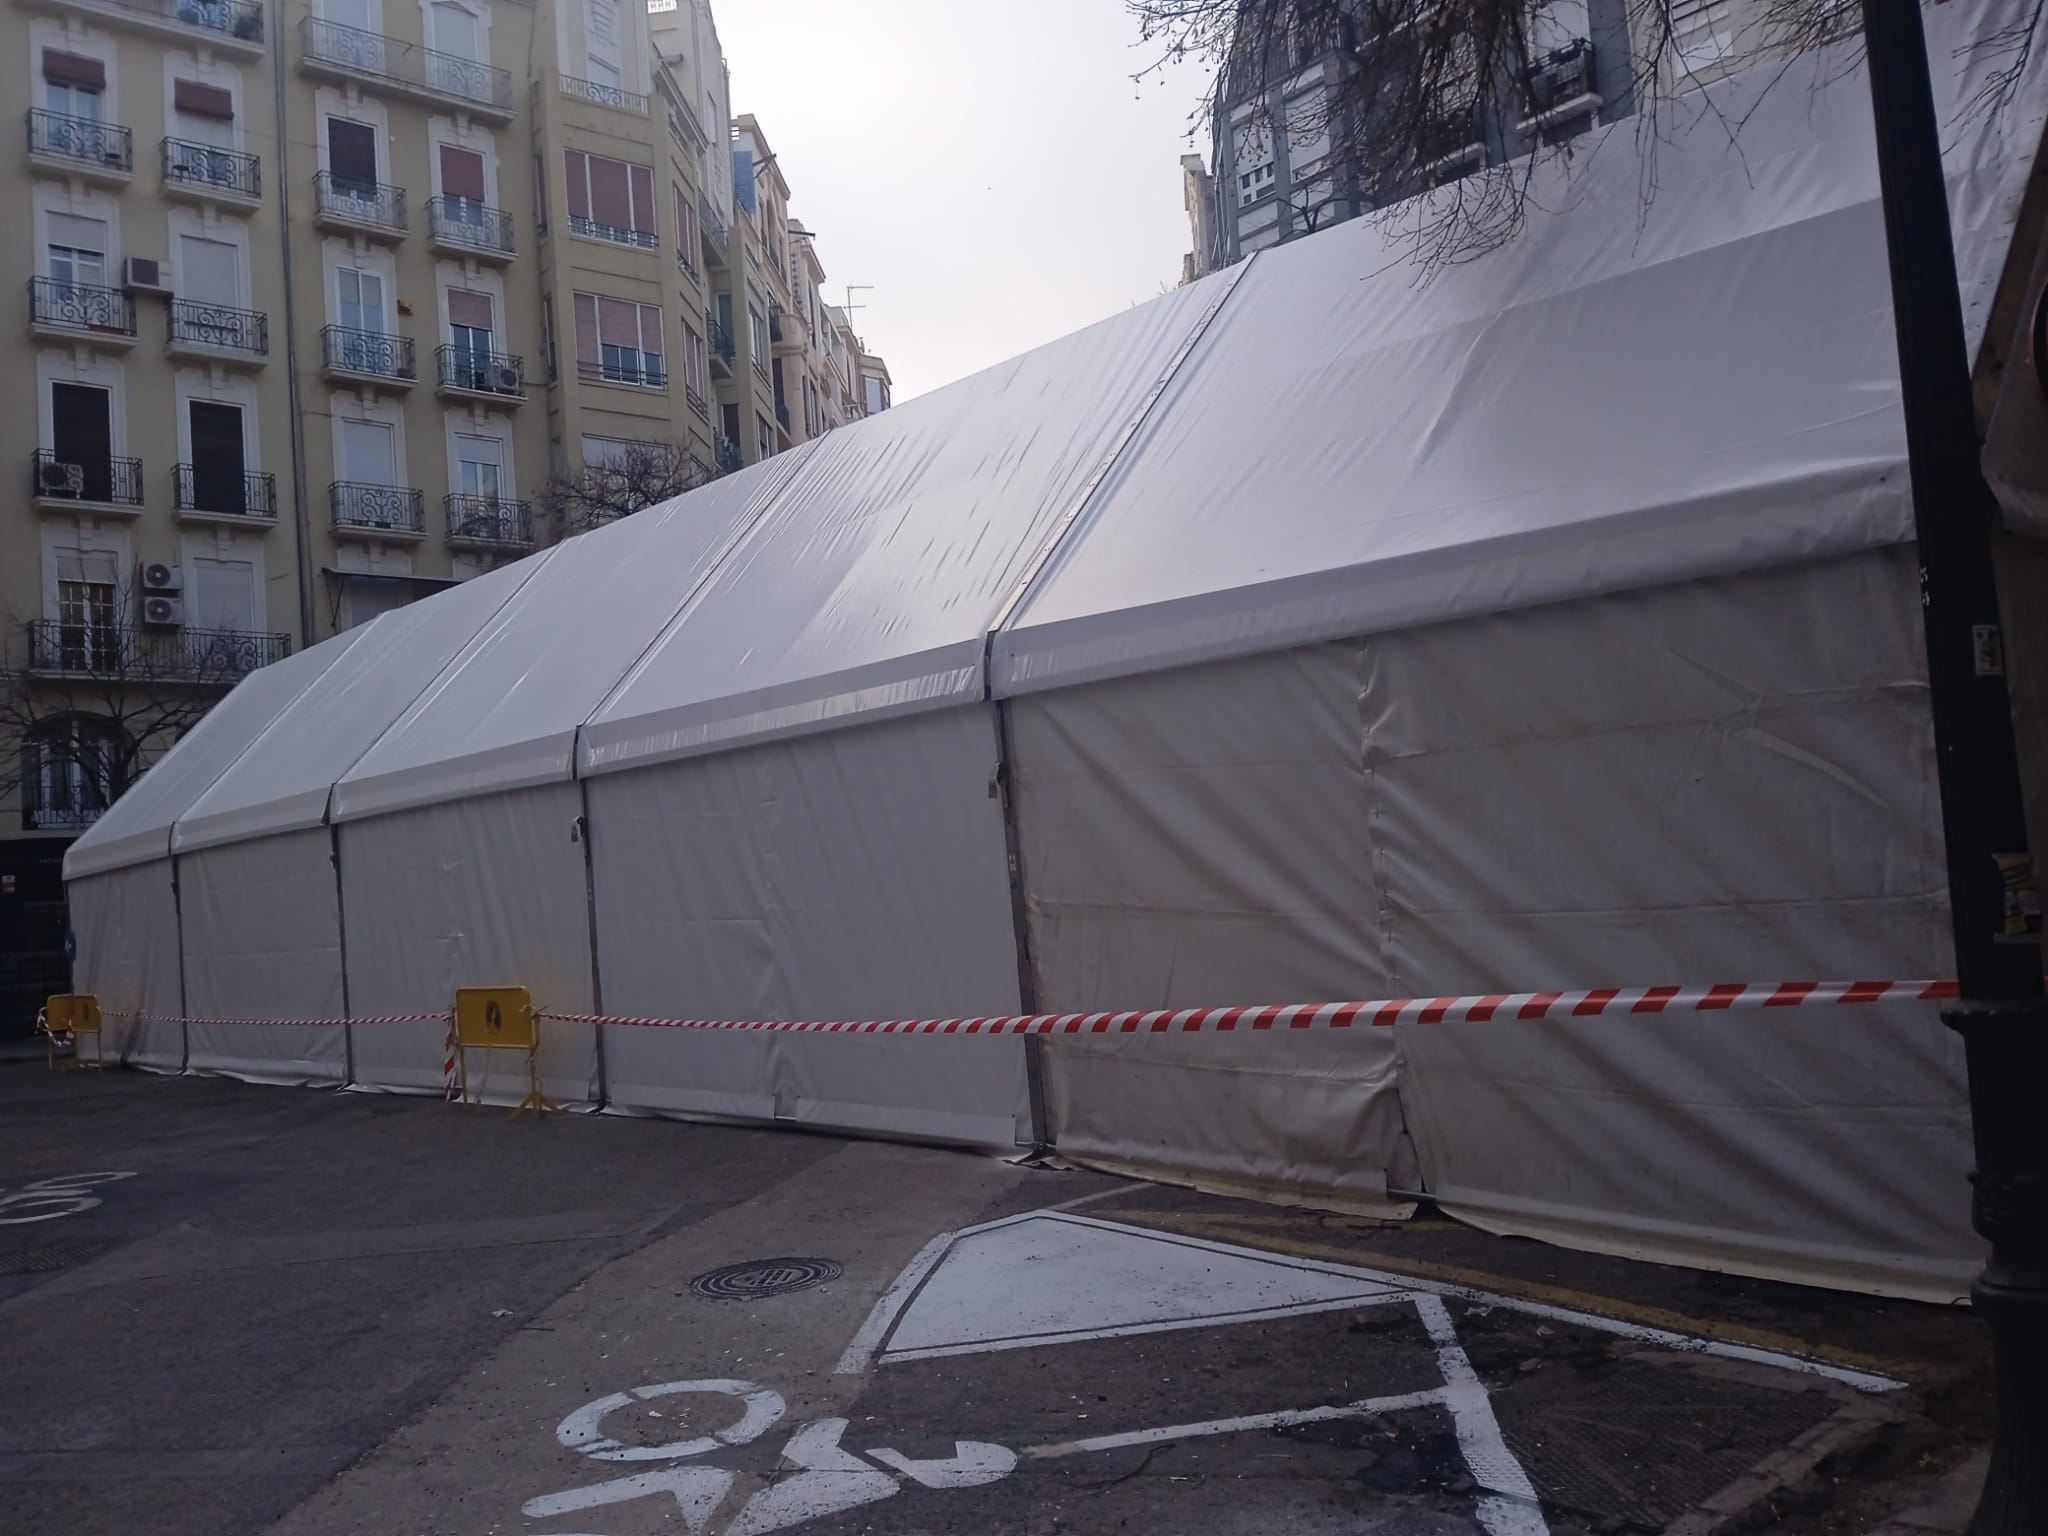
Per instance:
(1313,632)
(126,921)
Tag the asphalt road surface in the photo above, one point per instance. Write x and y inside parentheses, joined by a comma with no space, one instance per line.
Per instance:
(228,1309)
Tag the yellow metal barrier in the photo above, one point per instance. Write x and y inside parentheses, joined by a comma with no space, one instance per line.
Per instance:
(499,1019)
(67,1019)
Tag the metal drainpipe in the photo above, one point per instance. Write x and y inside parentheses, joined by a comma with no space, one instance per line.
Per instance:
(303,527)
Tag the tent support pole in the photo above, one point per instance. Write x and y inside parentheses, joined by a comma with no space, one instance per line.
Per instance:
(348,1033)
(1993,904)
(1004,788)
(604,1091)
(184,1008)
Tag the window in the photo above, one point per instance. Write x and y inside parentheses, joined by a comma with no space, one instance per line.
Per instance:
(1700,32)
(462,175)
(757,337)
(349,13)
(221,594)
(209,271)
(604,73)
(619,341)
(456,32)
(69,772)
(469,332)
(88,633)
(218,483)
(764,437)
(686,229)
(693,360)
(82,435)
(73,84)
(479,467)
(78,249)
(610,199)
(1254,162)
(359,311)
(352,157)
(369,452)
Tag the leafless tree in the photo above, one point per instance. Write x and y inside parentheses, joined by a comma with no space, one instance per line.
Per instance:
(636,476)
(90,699)
(1416,84)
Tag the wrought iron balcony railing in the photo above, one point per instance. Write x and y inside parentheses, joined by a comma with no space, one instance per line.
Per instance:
(376,57)
(483,373)
(86,140)
(604,95)
(219,326)
(107,480)
(150,653)
(728,454)
(465,221)
(385,508)
(84,307)
(252,493)
(489,522)
(714,227)
(617,234)
(697,401)
(721,335)
(1561,76)
(241,20)
(362,202)
(647,372)
(205,165)
(377,354)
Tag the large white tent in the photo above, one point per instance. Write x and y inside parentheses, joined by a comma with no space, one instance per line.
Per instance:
(1313,632)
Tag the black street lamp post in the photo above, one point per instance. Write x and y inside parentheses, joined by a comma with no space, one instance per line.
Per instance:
(2002,1017)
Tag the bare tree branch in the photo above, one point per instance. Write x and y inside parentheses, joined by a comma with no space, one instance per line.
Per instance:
(637,476)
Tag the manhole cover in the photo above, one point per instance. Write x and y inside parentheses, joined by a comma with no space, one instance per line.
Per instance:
(42,1260)
(765,1277)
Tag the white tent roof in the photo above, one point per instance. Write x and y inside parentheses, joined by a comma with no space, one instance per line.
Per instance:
(282,781)
(870,586)
(137,827)
(1310,445)
(504,713)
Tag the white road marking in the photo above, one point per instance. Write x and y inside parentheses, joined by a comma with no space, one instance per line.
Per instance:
(1130,1330)
(831,1479)
(583,1430)
(698,1492)
(1512,1509)
(65,1191)
(1360,1410)
(869,1336)
(972,1463)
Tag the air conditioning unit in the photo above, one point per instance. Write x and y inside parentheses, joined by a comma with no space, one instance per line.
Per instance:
(159,577)
(145,274)
(505,379)
(56,479)
(164,611)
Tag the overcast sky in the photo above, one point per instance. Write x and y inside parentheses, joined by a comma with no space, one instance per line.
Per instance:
(990,168)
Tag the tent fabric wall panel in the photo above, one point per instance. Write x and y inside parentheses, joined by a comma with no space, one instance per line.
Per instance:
(1201,838)
(126,921)
(137,827)
(870,585)
(857,875)
(263,941)
(485,891)
(1719,781)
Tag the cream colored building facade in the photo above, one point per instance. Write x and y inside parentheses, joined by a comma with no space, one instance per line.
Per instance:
(327,304)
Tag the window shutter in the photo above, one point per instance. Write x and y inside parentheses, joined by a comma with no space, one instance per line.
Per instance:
(586,330)
(611,194)
(578,165)
(203,100)
(74,69)
(351,153)
(618,323)
(643,198)
(466,307)
(462,173)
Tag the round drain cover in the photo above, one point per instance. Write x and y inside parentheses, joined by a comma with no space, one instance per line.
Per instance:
(765,1277)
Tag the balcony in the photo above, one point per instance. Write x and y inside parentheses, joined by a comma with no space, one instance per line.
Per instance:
(697,401)
(487,523)
(231,26)
(604,95)
(1561,88)
(230,500)
(498,377)
(150,653)
(376,358)
(203,173)
(462,226)
(616,234)
(405,69)
(60,310)
(722,348)
(785,335)
(360,207)
(642,371)
(80,146)
(715,235)
(377,511)
(727,452)
(217,333)
(107,486)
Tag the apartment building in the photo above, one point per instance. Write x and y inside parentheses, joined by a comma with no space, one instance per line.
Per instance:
(329,304)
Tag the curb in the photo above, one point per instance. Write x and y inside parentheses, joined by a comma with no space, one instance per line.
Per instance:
(1945,1509)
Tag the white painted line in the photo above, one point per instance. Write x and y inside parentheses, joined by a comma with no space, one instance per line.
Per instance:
(1863,1381)
(1129,1330)
(1359,1410)
(1512,1510)
(698,1491)
(892,1301)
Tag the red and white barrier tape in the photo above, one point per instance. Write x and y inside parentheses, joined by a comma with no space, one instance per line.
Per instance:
(1501,1006)
(174,1018)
